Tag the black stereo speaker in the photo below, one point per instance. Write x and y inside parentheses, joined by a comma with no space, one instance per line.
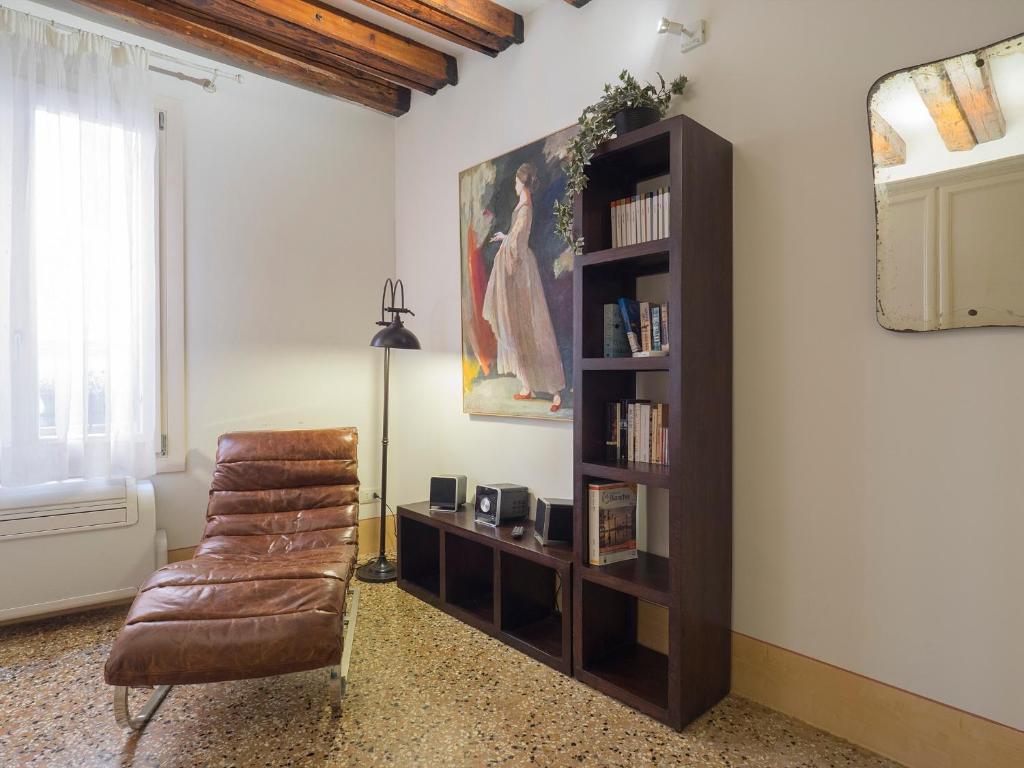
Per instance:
(554,521)
(447,493)
(498,503)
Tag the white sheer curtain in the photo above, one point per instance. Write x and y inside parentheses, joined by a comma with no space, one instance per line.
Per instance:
(78,303)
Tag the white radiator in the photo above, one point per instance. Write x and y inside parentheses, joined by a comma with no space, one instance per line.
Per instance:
(73,544)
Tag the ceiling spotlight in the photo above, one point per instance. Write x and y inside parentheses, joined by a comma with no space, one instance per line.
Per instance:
(691,36)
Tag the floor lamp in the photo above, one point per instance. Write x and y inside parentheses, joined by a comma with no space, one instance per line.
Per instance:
(393,335)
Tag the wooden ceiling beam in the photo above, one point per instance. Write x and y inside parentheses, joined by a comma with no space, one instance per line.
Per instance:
(887,146)
(971,78)
(174,25)
(429,19)
(485,15)
(324,33)
(936,90)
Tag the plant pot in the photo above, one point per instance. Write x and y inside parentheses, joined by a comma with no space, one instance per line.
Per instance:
(630,119)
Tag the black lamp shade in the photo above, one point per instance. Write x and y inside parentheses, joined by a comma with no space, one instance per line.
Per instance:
(394,335)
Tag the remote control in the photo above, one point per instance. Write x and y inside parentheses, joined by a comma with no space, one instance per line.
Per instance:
(517,532)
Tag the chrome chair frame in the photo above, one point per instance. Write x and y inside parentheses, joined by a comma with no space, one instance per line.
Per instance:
(337,684)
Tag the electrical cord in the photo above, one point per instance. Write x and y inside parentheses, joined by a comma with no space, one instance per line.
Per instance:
(394,524)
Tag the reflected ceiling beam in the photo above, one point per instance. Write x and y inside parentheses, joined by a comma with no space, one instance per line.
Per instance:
(887,146)
(971,77)
(330,36)
(936,90)
(170,23)
(465,29)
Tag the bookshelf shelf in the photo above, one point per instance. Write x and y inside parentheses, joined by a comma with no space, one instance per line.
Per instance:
(643,258)
(647,577)
(694,274)
(656,475)
(634,674)
(627,363)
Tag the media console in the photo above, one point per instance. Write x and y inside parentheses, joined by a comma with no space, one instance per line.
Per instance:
(513,589)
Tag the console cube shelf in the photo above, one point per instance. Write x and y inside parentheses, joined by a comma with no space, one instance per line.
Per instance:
(694,582)
(513,589)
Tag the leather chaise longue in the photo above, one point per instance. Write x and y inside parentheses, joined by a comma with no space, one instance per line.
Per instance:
(267,592)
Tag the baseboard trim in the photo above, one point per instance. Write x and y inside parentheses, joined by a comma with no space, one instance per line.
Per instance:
(903,726)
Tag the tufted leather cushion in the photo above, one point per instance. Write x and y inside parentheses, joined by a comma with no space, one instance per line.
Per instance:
(265,592)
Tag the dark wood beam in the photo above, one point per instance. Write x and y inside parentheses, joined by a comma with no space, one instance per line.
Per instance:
(424,16)
(488,16)
(325,34)
(174,25)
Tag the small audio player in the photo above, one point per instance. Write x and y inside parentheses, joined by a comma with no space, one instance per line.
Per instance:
(554,521)
(499,503)
(447,493)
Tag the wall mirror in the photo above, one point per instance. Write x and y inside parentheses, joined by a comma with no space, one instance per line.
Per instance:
(947,140)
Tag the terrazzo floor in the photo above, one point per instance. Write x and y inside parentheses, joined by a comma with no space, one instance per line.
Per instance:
(430,691)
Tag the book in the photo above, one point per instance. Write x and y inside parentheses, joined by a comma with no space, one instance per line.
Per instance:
(637,234)
(665,213)
(631,409)
(645,326)
(630,311)
(612,523)
(657,214)
(664,327)
(611,437)
(615,342)
(656,434)
(663,457)
(613,213)
(644,434)
(623,413)
(656,327)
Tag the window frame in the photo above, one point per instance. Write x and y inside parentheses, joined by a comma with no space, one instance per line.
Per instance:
(171,421)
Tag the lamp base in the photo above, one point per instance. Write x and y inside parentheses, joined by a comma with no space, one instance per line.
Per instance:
(377,572)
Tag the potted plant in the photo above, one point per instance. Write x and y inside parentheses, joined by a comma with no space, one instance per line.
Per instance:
(624,107)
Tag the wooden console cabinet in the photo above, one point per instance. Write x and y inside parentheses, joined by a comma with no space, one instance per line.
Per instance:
(513,589)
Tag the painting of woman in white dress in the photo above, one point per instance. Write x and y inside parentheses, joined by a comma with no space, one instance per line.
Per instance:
(517,286)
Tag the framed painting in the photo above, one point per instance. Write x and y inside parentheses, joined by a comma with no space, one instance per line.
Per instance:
(517,301)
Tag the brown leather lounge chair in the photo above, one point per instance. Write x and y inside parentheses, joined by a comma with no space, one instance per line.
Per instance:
(265,593)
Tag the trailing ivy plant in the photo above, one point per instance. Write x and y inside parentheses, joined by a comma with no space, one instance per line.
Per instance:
(596,126)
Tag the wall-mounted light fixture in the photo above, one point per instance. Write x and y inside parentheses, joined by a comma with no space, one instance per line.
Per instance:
(692,36)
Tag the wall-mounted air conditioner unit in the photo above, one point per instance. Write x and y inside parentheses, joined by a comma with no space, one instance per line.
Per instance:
(77,543)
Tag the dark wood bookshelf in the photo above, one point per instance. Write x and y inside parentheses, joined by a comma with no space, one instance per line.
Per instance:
(694,583)
(508,588)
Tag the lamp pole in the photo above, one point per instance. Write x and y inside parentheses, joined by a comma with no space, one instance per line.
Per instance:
(381,570)
(393,335)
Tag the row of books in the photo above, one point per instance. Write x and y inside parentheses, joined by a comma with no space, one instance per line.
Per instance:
(636,430)
(612,522)
(637,328)
(640,218)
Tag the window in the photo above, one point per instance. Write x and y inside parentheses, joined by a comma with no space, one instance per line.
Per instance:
(91,314)
(61,327)
(66,219)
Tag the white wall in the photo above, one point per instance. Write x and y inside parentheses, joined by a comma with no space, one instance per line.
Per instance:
(877,475)
(289,236)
